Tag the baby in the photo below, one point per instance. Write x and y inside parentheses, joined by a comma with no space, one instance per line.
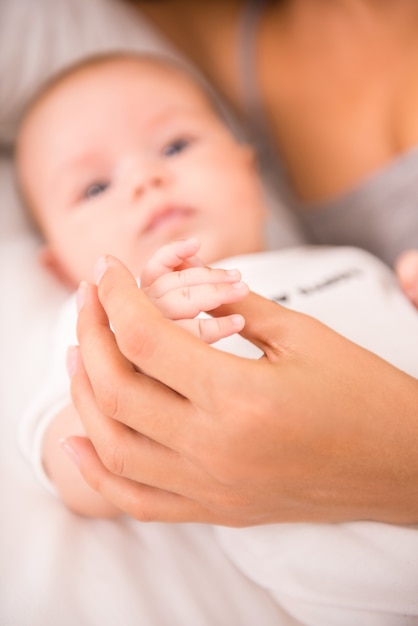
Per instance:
(121,155)
(127,155)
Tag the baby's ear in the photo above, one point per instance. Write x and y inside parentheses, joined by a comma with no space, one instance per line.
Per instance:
(51,263)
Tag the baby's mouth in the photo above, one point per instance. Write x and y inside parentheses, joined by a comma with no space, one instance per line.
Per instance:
(166,216)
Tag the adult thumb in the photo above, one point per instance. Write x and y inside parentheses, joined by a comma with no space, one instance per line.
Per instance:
(266,322)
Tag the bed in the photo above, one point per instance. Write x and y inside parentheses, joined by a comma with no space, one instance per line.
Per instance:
(57,568)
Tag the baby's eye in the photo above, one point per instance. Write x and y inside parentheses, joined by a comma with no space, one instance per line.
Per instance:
(175,147)
(95,189)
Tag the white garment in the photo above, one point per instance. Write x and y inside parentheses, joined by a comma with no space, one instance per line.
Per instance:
(363,574)
(353,574)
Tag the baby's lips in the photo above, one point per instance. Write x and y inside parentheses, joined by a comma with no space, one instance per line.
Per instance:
(165,214)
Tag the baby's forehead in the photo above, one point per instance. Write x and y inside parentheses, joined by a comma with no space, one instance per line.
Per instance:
(130,88)
(143,82)
(127,70)
(104,70)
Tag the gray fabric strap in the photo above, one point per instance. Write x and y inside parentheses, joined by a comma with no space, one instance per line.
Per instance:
(258,130)
(380,214)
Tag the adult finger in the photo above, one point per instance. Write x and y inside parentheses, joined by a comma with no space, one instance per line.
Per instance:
(106,385)
(123,462)
(215,504)
(159,347)
(127,453)
(138,500)
(268,325)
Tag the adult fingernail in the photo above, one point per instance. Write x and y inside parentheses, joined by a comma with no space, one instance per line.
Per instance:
(99,269)
(72,453)
(72,360)
(80,297)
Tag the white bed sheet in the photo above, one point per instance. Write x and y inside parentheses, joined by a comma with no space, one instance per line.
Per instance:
(56,568)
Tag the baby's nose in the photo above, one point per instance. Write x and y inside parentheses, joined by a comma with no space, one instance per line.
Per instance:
(147,174)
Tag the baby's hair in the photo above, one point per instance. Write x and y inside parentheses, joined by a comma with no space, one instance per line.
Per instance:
(103,58)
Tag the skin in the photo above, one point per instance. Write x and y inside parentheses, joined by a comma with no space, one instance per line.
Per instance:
(407,271)
(341,100)
(175,442)
(338,79)
(123,157)
(384,120)
(181,294)
(337,82)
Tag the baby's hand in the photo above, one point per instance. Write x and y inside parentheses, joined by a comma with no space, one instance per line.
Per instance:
(407,271)
(182,287)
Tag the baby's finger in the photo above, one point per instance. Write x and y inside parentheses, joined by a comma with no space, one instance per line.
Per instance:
(187,302)
(212,329)
(168,257)
(190,277)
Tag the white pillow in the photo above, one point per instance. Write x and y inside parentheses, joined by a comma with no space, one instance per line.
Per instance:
(39,37)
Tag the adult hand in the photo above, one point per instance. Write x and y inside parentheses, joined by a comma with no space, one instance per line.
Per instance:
(318,429)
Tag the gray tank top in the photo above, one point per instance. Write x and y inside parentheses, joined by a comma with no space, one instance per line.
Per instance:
(379,215)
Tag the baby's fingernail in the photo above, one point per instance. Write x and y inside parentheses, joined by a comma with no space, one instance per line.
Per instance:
(239,285)
(73,454)
(99,269)
(81,295)
(234,273)
(193,241)
(237,320)
(72,360)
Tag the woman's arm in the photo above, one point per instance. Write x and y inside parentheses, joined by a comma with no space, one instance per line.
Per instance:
(317,430)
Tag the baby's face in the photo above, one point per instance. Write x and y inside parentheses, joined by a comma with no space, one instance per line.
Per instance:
(123,158)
